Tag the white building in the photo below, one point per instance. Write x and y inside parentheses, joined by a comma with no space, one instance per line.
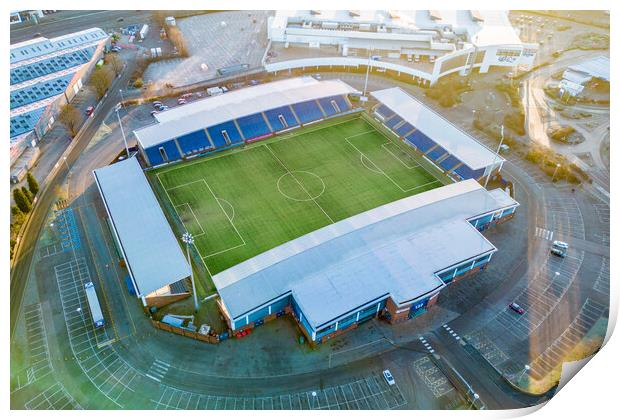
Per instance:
(426,44)
(575,77)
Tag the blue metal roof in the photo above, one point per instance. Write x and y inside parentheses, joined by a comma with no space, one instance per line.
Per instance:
(25,122)
(43,90)
(51,65)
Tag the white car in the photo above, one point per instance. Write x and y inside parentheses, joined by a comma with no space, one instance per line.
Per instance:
(388,378)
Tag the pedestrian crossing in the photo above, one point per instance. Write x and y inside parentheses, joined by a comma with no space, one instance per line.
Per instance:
(544,233)
(158,370)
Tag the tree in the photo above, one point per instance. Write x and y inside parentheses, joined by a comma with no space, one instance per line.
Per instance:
(71,118)
(28,194)
(21,201)
(101,80)
(176,38)
(15,211)
(115,62)
(33,185)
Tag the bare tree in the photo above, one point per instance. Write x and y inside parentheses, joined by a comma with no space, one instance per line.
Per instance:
(101,80)
(115,62)
(71,118)
(178,40)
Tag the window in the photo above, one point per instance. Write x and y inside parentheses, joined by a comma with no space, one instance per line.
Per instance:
(335,105)
(508,53)
(163,154)
(225,135)
(282,121)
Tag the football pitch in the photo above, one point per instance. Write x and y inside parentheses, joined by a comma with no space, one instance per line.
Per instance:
(248,200)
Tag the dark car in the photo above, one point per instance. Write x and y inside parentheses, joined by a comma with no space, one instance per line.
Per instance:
(515,307)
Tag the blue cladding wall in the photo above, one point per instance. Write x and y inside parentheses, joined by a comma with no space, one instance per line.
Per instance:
(285,111)
(215,133)
(384,111)
(25,122)
(308,111)
(403,129)
(420,140)
(436,153)
(194,142)
(39,91)
(253,126)
(449,162)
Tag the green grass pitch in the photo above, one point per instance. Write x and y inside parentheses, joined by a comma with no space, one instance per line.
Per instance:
(248,200)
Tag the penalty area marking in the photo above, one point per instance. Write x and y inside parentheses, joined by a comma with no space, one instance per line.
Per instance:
(405,164)
(195,218)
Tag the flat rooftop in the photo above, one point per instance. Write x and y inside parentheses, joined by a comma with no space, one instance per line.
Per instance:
(597,67)
(214,110)
(394,249)
(152,252)
(441,131)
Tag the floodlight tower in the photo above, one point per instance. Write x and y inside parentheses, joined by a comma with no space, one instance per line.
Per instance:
(189,240)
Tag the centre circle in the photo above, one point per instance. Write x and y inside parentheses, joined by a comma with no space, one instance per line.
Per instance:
(301,185)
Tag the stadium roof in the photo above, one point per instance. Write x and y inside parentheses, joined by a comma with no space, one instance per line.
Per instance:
(394,249)
(151,250)
(441,131)
(210,111)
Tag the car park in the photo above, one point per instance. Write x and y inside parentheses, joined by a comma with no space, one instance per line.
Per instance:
(515,307)
(387,375)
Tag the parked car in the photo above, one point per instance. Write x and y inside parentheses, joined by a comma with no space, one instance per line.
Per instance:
(559,248)
(153,113)
(157,104)
(181,101)
(515,307)
(387,375)
(115,48)
(90,111)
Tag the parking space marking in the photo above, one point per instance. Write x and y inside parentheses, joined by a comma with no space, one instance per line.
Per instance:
(55,397)
(432,377)
(556,353)
(602,281)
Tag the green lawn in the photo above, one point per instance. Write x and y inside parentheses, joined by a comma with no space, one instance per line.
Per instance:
(240,203)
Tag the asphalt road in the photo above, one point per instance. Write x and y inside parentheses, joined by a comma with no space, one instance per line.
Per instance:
(69,21)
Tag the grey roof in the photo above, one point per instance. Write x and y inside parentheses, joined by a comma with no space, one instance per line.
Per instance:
(152,252)
(440,130)
(596,67)
(393,249)
(210,111)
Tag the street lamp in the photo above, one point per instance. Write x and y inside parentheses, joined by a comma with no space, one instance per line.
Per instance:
(189,240)
(501,141)
(476,397)
(122,100)
(557,166)
(118,107)
(525,369)
(314,397)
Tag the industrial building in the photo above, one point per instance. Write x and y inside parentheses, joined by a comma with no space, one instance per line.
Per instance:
(157,268)
(237,117)
(425,44)
(440,142)
(576,76)
(45,74)
(391,261)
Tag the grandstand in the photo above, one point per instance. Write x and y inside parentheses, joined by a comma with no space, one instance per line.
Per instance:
(44,75)
(440,142)
(390,261)
(241,116)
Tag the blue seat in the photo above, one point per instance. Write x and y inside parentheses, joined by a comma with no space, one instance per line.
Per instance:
(403,129)
(216,135)
(327,104)
(274,120)
(449,162)
(420,140)
(154,155)
(392,122)
(307,111)
(384,111)
(253,126)
(436,153)
(465,172)
(195,141)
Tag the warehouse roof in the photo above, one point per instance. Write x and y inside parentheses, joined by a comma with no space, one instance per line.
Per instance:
(441,131)
(597,67)
(151,250)
(394,249)
(210,111)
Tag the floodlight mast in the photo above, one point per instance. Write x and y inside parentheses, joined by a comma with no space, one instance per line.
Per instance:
(188,238)
(501,141)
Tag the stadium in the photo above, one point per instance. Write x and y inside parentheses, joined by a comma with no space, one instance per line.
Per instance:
(303,203)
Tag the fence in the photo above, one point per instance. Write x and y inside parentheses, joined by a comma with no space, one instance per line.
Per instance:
(212,339)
